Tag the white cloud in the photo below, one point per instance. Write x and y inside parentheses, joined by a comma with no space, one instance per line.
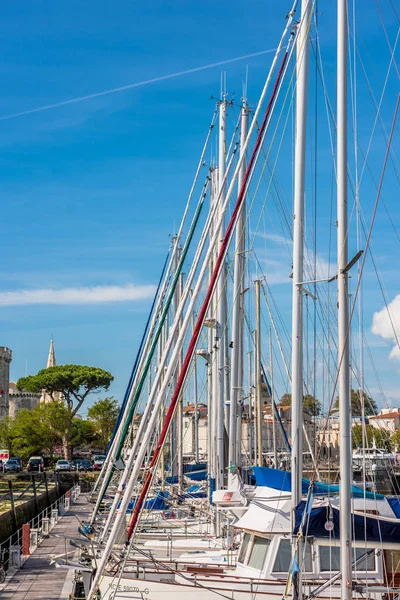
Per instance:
(279,268)
(385,324)
(83,295)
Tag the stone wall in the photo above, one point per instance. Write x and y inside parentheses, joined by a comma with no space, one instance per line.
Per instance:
(19,400)
(5,360)
(27,511)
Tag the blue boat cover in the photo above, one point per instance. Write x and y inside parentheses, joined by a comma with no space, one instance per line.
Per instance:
(159,502)
(197,475)
(193,488)
(172,479)
(193,475)
(194,491)
(394,505)
(282,480)
(363,528)
(189,467)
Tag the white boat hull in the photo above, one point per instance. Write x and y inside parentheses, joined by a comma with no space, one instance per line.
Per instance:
(205,588)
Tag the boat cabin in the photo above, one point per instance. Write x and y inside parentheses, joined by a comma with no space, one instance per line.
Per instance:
(266,550)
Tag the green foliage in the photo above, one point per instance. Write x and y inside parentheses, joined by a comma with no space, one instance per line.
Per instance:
(38,431)
(6,434)
(103,414)
(395,440)
(370,406)
(286,400)
(83,433)
(311,405)
(72,381)
(380,436)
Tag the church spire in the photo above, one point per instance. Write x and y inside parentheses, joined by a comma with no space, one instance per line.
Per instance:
(51,360)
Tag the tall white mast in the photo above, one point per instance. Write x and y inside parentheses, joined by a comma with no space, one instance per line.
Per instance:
(343,314)
(235,417)
(179,412)
(176,428)
(221,324)
(212,361)
(257,378)
(271,373)
(302,61)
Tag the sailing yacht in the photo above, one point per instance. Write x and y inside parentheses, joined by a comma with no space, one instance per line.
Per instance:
(307,545)
(264,564)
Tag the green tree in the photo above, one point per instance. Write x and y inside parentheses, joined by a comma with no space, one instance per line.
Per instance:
(395,439)
(38,430)
(74,383)
(104,414)
(381,437)
(311,405)
(83,433)
(370,406)
(7,434)
(286,400)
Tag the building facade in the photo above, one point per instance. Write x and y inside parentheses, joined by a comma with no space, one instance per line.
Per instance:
(13,400)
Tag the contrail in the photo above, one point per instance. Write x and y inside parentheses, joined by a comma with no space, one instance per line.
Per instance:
(135,85)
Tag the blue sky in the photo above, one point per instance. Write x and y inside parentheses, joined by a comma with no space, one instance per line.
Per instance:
(92,191)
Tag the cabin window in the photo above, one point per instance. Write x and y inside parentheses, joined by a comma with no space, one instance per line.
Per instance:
(258,552)
(243,547)
(368,563)
(329,558)
(283,559)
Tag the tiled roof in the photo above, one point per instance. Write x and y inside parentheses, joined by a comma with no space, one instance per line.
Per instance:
(391,415)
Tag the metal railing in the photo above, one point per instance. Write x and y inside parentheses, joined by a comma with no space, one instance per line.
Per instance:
(39,528)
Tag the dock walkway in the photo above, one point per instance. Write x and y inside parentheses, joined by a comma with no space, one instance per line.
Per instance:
(37,579)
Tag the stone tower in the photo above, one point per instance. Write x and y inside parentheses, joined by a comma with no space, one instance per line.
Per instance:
(51,362)
(5,360)
(51,359)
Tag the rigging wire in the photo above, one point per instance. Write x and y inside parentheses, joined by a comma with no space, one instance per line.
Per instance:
(366,251)
(386,36)
(205,304)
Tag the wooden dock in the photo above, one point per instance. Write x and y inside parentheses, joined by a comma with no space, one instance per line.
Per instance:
(37,579)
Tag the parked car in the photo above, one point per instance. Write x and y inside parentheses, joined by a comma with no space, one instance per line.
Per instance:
(35,463)
(76,464)
(63,465)
(21,466)
(12,465)
(98,462)
(86,465)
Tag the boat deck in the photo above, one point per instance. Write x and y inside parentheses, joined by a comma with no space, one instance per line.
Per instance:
(38,580)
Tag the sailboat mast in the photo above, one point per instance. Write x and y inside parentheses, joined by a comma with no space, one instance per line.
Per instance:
(136,459)
(271,372)
(179,415)
(343,312)
(213,365)
(257,375)
(221,304)
(235,417)
(302,62)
